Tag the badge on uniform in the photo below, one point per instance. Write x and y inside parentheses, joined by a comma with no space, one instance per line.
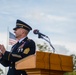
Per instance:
(26,51)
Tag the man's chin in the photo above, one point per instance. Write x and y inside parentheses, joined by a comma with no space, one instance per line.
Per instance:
(16,37)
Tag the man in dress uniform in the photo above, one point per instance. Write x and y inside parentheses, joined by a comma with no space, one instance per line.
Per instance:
(23,48)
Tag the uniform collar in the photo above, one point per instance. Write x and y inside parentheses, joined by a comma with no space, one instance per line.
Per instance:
(22,39)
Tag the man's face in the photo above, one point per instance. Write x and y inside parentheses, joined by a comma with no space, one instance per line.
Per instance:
(18,32)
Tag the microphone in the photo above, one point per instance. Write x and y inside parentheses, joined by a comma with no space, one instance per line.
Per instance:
(36,31)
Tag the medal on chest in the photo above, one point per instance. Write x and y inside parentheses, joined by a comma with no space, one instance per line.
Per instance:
(20,48)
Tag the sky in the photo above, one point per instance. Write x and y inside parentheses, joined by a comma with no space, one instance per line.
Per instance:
(54,18)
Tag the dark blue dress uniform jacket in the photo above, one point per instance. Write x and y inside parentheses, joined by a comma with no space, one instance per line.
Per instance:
(20,50)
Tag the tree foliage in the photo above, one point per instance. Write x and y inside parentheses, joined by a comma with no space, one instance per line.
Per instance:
(44,47)
(74,61)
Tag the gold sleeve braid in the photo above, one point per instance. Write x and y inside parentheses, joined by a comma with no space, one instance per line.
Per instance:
(9,56)
(15,55)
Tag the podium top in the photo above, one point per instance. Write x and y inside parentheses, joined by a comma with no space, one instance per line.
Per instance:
(44,60)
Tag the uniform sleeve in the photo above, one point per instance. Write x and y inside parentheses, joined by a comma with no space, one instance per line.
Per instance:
(11,57)
(5,63)
(28,49)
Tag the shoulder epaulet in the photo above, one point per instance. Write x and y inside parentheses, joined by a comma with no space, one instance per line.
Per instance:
(29,39)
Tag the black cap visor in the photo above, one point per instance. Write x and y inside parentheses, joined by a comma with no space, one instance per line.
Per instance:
(21,27)
(16,28)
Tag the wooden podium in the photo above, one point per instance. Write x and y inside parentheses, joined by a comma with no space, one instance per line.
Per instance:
(43,63)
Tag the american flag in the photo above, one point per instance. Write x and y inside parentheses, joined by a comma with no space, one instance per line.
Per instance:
(12,39)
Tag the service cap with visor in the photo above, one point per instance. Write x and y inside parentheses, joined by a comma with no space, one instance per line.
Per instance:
(21,24)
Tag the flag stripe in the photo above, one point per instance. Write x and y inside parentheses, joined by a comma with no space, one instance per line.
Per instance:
(12,39)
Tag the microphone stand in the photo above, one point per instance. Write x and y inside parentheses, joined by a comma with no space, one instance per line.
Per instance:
(40,36)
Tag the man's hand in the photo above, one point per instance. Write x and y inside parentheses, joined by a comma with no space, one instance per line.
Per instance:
(2,48)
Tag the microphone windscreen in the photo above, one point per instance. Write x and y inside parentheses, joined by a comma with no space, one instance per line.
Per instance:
(36,31)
